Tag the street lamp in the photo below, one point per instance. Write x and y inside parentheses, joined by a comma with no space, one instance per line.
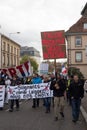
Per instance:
(14,33)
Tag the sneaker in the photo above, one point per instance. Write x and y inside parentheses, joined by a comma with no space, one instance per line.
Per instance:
(56,119)
(10,110)
(74,120)
(47,111)
(33,106)
(62,114)
(1,108)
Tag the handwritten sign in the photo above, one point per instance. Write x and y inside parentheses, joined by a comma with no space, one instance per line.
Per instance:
(30,91)
(53,44)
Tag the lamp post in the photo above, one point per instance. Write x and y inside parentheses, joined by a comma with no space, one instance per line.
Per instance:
(13,34)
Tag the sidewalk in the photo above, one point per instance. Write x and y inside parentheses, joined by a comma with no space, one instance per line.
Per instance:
(84,107)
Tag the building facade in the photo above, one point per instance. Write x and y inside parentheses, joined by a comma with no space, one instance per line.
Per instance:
(9,52)
(76,38)
(31,52)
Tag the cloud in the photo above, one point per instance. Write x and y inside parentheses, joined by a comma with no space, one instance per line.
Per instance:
(31,17)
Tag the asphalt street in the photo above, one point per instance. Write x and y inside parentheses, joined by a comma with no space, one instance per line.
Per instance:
(28,118)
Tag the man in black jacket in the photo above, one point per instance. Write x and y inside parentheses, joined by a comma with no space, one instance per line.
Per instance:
(58,88)
(77,93)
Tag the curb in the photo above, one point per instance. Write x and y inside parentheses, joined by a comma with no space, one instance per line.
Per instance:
(84,113)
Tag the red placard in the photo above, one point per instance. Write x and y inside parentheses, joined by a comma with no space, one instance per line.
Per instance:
(53,44)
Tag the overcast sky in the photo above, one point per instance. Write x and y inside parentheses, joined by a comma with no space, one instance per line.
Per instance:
(30,17)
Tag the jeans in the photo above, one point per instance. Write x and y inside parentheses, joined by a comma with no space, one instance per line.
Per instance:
(47,103)
(36,102)
(12,103)
(76,108)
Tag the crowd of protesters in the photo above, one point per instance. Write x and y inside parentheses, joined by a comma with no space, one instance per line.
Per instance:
(70,90)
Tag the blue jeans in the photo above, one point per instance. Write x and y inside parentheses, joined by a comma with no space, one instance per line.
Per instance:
(76,108)
(47,103)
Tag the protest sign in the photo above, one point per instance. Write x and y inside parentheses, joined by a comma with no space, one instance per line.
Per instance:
(2,94)
(30,91)
(44,67)
(53,43)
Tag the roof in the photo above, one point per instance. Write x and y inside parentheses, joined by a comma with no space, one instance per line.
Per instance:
(29,48)
(83,11)
(10,39)
(78,26)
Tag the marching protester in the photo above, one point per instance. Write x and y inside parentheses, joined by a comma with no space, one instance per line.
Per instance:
(69,81)
(14,82)
(59,88)
(47,100)
(2,81)
(7,82)
(36,80)
(53,80)
(76,90)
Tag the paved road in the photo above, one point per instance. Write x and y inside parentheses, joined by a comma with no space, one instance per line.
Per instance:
(36,119)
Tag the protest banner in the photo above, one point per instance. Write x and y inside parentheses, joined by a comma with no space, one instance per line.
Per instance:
(30,91)
(2,94)
(53,44)
(21,71)
(44,67)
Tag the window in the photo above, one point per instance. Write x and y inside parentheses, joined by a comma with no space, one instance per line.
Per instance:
(11,49)
(78,41)
(14,50)
(8,48)
(78,57)
(11,60)
(14,60)
(17,51)
(85,25)
(3,59)
(31,53)
(17,61)
(4,46)
(7,60)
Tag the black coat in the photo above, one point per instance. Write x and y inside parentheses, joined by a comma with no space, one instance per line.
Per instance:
(62,87)
(76,90)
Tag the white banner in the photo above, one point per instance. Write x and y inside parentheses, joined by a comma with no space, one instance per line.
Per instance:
(2,95)
(30,91)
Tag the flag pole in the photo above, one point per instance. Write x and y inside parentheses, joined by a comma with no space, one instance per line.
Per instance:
(55,69)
